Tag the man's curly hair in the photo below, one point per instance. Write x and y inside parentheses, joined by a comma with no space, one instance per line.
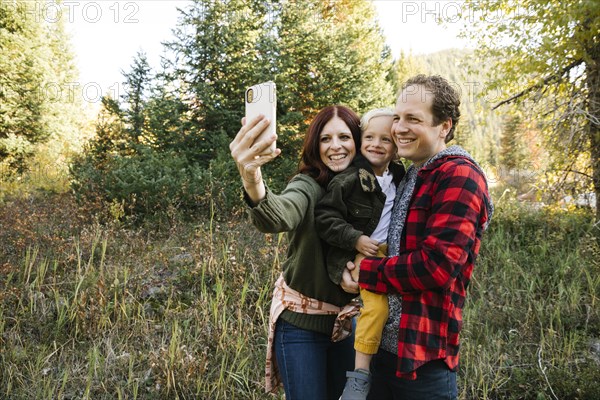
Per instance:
(446,99)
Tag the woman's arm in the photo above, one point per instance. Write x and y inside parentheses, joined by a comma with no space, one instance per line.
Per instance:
(286,211)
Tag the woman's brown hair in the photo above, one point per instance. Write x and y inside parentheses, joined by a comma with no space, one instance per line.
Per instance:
(310,161)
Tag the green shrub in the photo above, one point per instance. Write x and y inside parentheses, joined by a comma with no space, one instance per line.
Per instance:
(14,152)
(149,183)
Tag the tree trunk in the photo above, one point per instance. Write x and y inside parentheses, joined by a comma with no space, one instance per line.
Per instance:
(593,82)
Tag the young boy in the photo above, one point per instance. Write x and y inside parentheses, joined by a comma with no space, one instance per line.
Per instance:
(353,217)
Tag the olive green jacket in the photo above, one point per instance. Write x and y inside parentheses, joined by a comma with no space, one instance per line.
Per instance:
(304,269)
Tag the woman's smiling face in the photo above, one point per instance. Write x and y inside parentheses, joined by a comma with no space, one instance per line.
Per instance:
(336,145)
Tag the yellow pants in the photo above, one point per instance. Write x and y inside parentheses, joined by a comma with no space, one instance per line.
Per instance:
(373,316)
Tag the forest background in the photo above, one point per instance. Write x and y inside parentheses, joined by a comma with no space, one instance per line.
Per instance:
(127,268)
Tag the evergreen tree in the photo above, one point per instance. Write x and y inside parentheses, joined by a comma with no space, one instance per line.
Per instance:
(216,48)
(38,100)
(137,83)
(22,105)
(406,66)
(512,148)
(61,89)
(464,136)
(327,53)
(120,129)
(167,116)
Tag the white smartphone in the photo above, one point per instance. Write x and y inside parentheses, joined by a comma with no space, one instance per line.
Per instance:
(262,99)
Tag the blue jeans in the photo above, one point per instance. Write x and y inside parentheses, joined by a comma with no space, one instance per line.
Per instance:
(434,381)
(312,367)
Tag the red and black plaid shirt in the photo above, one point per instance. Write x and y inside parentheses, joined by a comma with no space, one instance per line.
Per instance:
(447,214)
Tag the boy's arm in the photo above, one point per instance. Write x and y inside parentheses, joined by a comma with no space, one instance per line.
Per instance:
(331,214)
(367,246)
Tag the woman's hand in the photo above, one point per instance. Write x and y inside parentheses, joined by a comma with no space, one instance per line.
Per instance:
(348,284)
(248,155)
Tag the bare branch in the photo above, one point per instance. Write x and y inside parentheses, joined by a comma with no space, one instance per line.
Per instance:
(577,172)
(540,85)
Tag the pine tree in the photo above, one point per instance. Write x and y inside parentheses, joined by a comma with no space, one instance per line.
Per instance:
(406,66)
(328,53)
(464,135)
(512,149)
(22,105)
(137,84)
(216,47)
(38,98)
(167,116)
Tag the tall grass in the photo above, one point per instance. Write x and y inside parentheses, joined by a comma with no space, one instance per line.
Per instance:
(90,311)
(532,310)
(137,314)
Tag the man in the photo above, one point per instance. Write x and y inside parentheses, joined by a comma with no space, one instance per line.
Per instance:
(441,209)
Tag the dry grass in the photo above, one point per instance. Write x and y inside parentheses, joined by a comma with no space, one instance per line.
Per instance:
(108,311)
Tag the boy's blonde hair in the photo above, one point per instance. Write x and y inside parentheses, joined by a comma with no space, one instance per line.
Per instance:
(376,112)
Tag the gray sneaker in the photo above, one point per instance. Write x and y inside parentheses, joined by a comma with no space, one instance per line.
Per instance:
(357,387)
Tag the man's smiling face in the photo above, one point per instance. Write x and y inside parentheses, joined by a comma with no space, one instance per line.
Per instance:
(415,135)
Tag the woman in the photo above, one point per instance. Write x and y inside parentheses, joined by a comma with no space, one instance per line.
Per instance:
(303,352)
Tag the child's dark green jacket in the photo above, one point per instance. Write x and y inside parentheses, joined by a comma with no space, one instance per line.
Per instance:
(351,207)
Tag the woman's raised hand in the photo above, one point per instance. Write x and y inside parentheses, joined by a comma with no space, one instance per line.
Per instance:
(248,154)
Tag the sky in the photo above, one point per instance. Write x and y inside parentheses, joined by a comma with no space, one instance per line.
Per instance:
(107,34)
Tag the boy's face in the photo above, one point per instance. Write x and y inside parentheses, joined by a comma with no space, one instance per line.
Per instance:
(377,145)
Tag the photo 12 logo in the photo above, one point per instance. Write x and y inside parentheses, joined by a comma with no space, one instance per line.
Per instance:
(53,92)
(74,11)
(89,92)
(455,11)
(469,92)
